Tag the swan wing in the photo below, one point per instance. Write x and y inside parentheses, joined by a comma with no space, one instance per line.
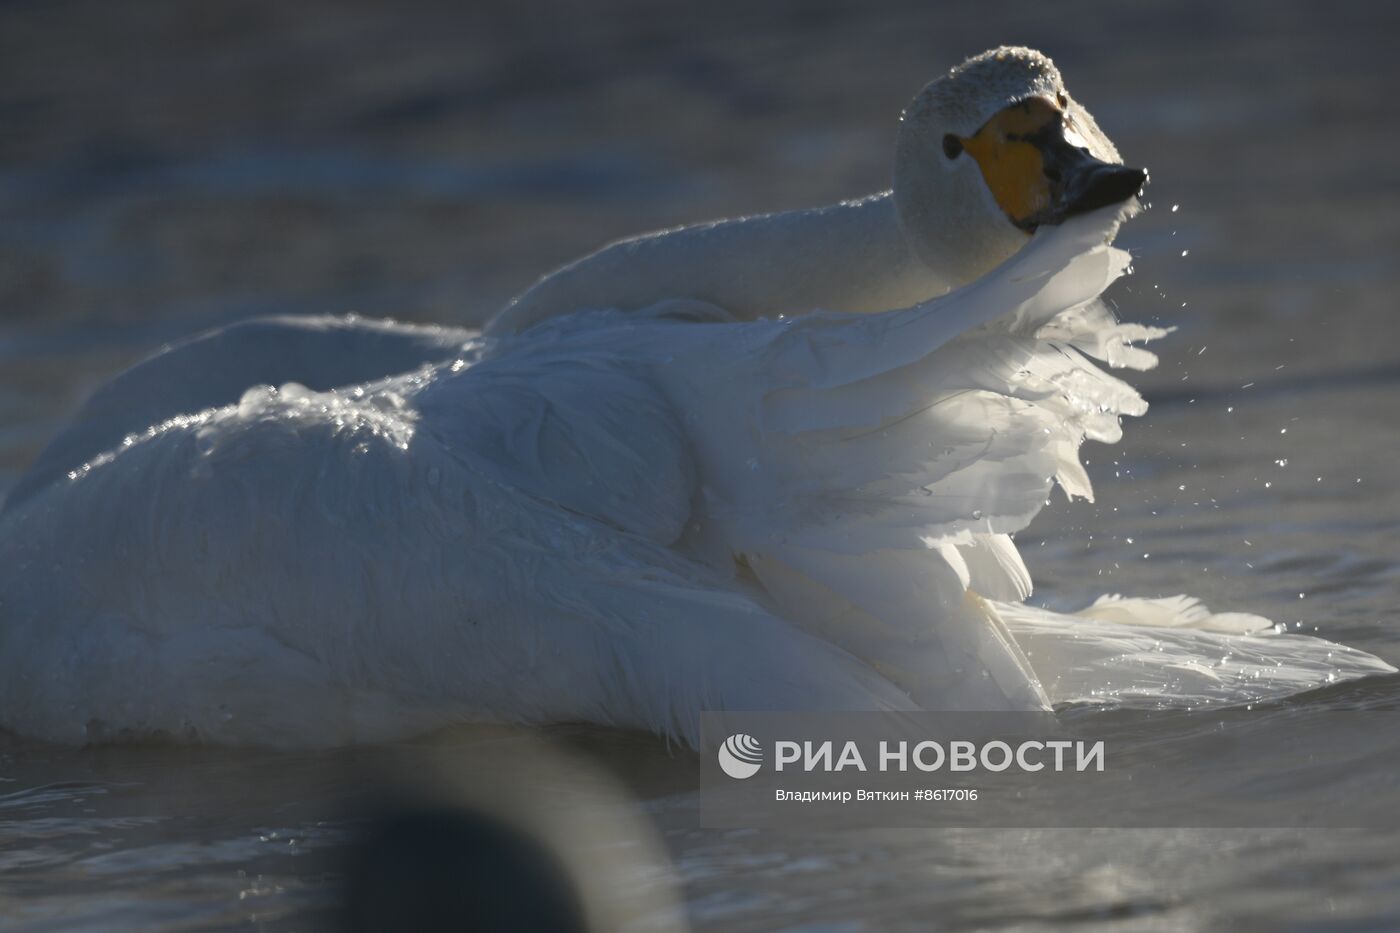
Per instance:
(887,460)
(869,469)
(590,434)
(217,367)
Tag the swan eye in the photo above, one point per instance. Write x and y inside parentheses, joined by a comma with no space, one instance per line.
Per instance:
(1062,100)
(952,146)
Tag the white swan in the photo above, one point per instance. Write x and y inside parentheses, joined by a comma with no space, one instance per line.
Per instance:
(624,516)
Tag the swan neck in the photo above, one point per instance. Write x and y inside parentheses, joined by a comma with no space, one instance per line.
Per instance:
(852,256)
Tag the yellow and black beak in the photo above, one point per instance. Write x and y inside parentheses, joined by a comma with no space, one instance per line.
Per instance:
(1034,168)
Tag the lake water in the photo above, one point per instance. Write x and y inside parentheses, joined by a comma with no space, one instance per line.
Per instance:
(167,167)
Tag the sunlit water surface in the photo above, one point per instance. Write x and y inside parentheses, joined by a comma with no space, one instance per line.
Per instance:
(435,184)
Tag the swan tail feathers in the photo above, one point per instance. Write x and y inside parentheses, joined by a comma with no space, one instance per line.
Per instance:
(1175,652)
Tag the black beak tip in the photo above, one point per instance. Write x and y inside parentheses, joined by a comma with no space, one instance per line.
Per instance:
(1134,179)
(1107,184)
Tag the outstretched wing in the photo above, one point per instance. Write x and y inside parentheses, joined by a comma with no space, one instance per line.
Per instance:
(870,468)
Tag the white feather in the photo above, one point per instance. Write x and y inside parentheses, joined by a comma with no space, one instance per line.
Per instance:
(1173,652)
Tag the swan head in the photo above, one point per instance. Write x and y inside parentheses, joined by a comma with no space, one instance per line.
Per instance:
(992,150)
